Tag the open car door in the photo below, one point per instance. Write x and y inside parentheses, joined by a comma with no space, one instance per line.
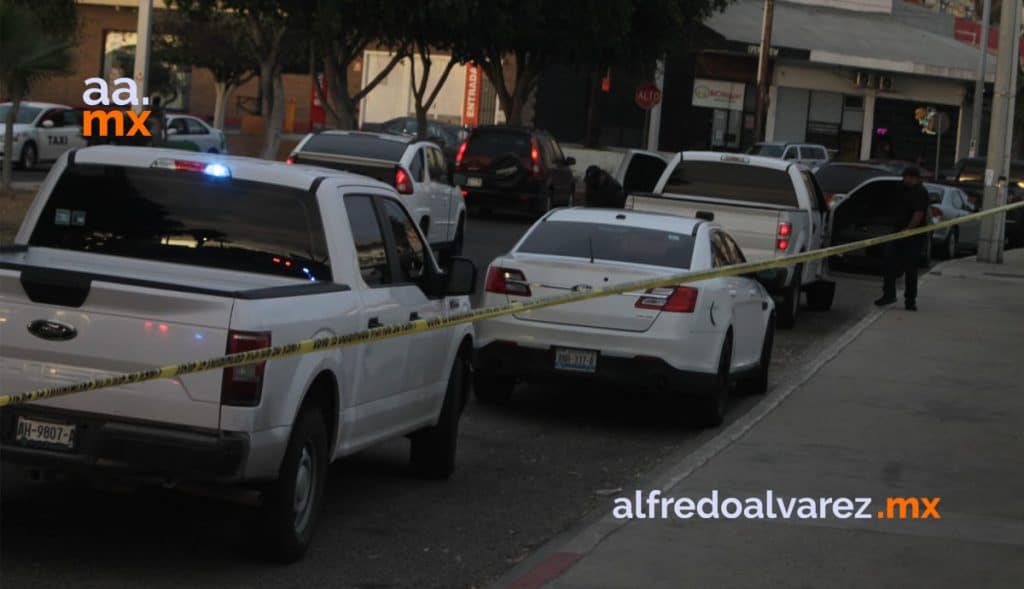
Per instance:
(640,170)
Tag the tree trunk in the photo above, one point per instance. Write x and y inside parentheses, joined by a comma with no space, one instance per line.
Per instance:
(266,89)
(274,118)
(592,136)
(5,183)
(220,106)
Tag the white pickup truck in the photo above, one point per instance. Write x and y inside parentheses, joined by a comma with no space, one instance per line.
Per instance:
(773,208)
(132,258)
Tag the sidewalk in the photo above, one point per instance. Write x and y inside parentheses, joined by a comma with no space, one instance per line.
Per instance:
(926,404)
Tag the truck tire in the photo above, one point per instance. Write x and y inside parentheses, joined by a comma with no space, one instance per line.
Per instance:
(820,295)
(292,503)
(790,307)
(432,452)
(491,389)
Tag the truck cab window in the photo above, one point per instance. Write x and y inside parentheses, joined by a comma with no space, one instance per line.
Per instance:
(409,248)
(369,240)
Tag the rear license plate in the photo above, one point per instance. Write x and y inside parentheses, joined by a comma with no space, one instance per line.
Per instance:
(46,433)
(575,360)
(474,181)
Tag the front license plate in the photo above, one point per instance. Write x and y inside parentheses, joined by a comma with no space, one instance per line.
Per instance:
(57,435)
(474,182)
(575,360)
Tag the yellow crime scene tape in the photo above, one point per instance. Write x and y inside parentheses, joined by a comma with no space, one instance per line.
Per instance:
(421,325)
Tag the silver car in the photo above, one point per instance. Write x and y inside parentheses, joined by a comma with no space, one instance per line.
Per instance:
(949,202)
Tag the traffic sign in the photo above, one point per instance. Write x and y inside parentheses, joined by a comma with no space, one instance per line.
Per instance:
(647,96)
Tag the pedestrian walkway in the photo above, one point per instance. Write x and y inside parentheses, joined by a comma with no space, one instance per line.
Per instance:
(927,404)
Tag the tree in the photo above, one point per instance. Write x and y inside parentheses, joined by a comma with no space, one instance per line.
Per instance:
(29,54)
(272,35)
(341,31)
(215,42)
(429,26)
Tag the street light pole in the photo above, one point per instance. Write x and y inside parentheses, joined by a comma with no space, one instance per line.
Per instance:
(990,246)
(979,84)
(144,30)
(762,69)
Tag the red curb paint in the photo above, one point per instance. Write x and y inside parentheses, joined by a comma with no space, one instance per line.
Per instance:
(547,571)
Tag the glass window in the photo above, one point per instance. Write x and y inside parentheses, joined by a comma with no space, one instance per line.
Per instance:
(408,246)
(934,197)
(719,255)
(416,167)
(556,150)
(55,116)
(813,153)
(369,241)
(732,181)
(615,243)
(185,218)
(643,173)
(735,253)
(494,143)
(435,161)
(25,116)
(357,144)
(195,127)
(812,189)
(72,118)
(179,125)
(767,150)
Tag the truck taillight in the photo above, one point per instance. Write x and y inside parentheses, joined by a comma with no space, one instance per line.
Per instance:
(243,385)
(403,183)
(507,281)
(672,299)
(782,238)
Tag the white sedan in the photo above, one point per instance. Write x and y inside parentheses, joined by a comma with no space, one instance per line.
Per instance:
(416,169)
(42,132)
(695,340)
(195,130)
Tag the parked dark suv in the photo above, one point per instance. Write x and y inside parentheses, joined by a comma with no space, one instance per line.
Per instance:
(508,168)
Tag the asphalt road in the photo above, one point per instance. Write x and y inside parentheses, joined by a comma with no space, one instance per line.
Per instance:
(36,175)
(526,472)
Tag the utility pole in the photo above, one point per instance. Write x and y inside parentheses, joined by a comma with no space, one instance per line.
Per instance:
(979,85)
(144,30)
(762,69)
(990,246)
(654,114)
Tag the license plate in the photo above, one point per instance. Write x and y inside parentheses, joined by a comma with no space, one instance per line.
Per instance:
(474,182)
(575,360)
(58,435)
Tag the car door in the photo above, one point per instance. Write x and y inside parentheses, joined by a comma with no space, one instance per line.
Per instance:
(561,171)
(969,231)
(199,134)
(744,296)
(382,378)
(441,196)
(818,213)
(639,171)
(54,136)
(426,369)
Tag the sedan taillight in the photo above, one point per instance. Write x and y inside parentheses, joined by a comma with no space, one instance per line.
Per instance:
(672,299)
(507,281)
(243,385)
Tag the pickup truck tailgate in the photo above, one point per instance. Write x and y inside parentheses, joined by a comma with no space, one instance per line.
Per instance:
(117,328)
(754,228)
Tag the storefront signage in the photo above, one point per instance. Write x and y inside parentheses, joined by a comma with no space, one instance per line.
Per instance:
(718,94)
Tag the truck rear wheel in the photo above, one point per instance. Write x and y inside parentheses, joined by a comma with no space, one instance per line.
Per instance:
(791,300)
(292,503)
(432,452)
(820,295)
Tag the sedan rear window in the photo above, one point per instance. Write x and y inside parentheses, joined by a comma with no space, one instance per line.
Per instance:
(185,218)
(614,243)
(733,181)
(492,144)
(358,145)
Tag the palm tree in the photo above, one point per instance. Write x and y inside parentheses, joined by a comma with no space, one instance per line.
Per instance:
(29,54)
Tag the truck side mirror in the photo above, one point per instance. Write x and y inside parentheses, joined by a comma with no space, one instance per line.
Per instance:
(461,277)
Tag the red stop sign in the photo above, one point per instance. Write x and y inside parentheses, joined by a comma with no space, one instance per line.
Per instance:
(647,96)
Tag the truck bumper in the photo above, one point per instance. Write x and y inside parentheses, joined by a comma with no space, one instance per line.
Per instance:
(104,446)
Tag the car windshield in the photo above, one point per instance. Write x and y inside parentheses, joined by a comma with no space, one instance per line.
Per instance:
(26,114)
(185,218)
(491,144)
(842,178)
(616,243)
(357,145)
(767,149)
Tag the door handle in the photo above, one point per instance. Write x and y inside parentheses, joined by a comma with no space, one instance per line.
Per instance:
(414,316)
(373,323)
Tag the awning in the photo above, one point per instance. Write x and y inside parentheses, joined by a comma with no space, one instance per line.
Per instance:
(879,42)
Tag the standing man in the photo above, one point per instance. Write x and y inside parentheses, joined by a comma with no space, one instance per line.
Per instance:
(902,255)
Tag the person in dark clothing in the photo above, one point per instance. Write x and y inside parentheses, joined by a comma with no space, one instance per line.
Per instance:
(602,189)
(901,256)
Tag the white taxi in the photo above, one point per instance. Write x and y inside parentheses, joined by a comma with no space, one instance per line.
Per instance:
(42,132)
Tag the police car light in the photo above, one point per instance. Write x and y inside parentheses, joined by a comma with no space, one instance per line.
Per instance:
(215,170)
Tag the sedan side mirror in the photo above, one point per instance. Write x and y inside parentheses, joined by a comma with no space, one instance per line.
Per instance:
(570,161)
(461,277)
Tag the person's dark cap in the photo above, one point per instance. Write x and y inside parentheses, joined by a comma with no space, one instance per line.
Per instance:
(911,172)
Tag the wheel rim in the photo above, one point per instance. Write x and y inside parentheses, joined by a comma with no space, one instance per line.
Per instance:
(951,248)
(29,157)
(723,376)
(305,486)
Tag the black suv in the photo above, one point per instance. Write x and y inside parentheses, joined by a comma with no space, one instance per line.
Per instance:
(510,168)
